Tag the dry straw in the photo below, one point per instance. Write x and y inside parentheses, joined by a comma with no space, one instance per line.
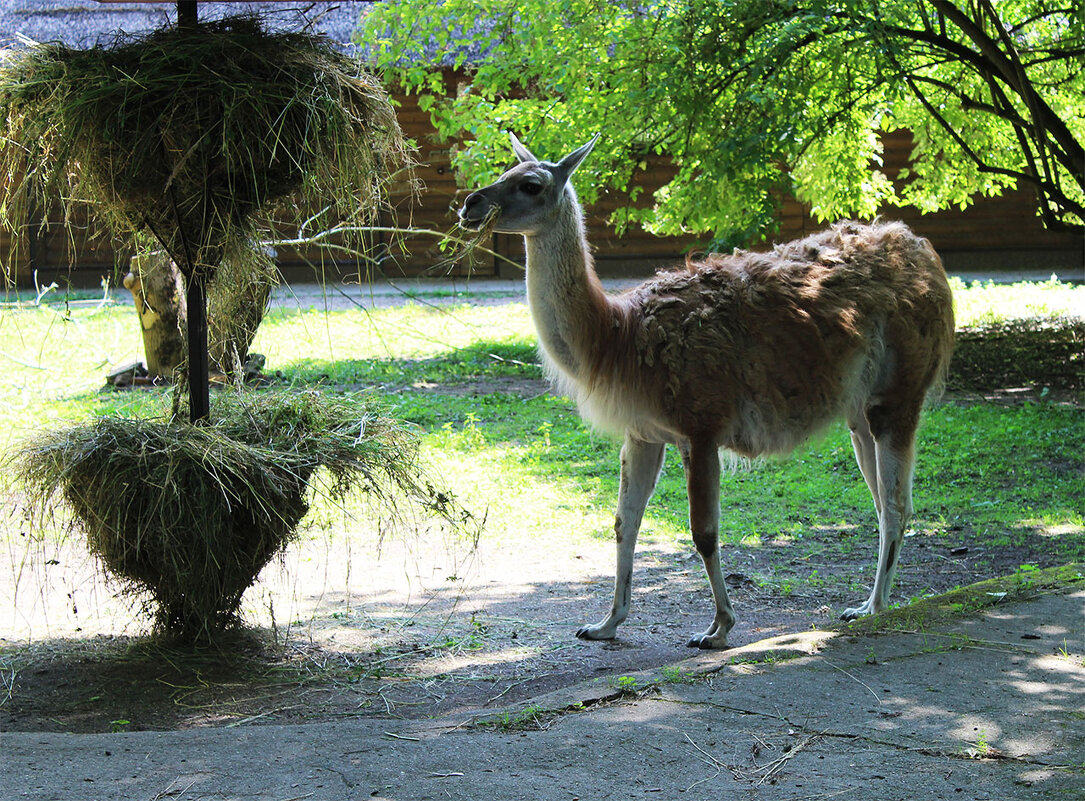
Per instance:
(187,135)
(187,516)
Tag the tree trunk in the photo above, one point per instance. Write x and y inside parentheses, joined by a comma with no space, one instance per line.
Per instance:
(159,293)
(236,302)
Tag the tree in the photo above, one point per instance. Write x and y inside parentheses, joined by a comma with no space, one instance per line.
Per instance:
(753,99)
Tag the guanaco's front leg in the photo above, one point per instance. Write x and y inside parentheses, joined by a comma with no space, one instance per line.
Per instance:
(702,462)
(641,465)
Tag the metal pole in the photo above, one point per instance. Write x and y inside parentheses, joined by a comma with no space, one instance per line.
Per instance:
(199,397)
(199,394)
(186,14)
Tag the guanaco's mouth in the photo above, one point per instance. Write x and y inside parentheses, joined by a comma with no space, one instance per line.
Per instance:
(472,222)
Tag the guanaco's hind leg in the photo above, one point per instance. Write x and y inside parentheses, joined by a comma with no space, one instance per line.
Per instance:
(862,442)
(702,463)
(893,464)
(641,465)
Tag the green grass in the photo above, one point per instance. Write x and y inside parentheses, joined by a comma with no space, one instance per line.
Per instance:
(1005,475)
(979,303)
(923,614)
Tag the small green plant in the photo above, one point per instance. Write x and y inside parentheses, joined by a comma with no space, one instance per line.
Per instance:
(469,437)
(767,658)
(528,716)
(476,640)
(1064,652)
(1026,575)
(543,431)
(983,745)
(980,749)
(675,675)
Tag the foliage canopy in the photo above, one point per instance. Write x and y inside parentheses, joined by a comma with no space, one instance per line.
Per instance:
(751,99)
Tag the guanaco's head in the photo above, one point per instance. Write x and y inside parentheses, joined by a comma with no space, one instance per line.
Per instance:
(525,199)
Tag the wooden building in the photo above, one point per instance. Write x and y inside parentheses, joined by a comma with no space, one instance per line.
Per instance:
(1001,233)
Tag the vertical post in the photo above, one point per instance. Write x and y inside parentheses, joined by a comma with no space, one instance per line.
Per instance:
(199,396)
(34,239)
(186,14)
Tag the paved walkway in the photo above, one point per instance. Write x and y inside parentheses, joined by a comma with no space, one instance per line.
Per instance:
(350,293)
(492,290)
(984,709)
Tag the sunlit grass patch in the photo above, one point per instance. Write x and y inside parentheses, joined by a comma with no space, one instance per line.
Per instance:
(981,303)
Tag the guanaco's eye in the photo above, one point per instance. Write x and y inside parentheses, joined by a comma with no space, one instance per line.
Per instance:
(531,187)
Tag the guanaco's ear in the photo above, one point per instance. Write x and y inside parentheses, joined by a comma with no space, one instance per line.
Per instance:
(518,148)
(572,161)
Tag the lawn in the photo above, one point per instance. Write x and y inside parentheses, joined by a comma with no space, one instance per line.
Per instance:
(409,621)
(456,370)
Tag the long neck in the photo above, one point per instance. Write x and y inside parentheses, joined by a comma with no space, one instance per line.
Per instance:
(567,301)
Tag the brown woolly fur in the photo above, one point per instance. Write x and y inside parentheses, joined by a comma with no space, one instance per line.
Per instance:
(190,514)
(185,134)
(794,337)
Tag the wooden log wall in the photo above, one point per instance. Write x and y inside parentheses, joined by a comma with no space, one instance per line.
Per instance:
(994,233)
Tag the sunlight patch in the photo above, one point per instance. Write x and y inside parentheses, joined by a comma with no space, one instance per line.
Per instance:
(1060,529)
(472,660)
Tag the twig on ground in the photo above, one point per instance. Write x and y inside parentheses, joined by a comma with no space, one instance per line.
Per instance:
(709,760)
(854,678)
(772,768)
(170,792)
(393,736)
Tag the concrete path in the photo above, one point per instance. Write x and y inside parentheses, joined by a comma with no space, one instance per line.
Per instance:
(306,295)
(985,709)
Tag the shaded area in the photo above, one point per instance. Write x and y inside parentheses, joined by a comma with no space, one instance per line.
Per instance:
(489,646)
(1013,353)
(800,543)
(481,362)
(983,708)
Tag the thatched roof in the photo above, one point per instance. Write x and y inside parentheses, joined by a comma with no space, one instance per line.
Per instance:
(84,23)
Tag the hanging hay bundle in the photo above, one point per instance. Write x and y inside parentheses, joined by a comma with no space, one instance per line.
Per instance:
(189,514)
(185,134)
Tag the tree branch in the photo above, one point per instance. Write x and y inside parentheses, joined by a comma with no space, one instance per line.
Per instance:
(970,103)
(1045,119)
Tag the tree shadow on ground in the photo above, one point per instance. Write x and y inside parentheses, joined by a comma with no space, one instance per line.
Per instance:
(509,638)
(456,650)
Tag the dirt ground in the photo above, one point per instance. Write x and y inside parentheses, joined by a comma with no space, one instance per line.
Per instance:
(985,707)
(414,629)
